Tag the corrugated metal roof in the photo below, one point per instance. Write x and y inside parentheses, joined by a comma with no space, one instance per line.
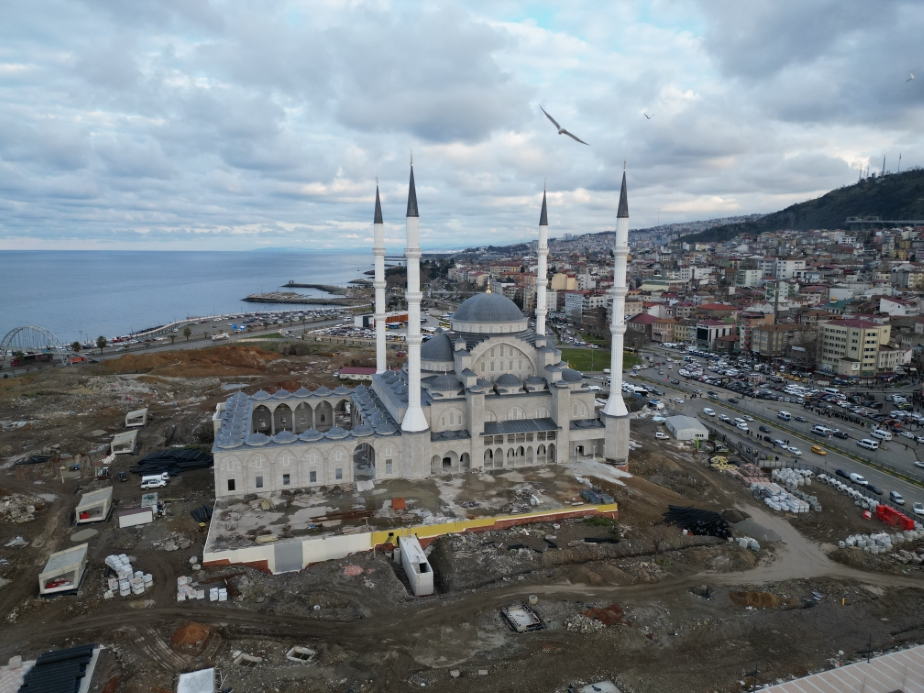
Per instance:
(492,428)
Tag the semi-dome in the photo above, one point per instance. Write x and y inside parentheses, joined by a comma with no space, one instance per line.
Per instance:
(445,383)
(508,380)
(437,348)
(569,375)
(488,308)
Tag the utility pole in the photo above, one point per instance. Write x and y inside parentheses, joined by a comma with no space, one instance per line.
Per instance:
(754,674)
(869,649)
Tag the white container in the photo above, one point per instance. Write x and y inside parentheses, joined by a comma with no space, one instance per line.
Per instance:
(181,596)
(200,594)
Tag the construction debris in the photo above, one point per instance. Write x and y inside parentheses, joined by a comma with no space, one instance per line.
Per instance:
(698,522)
(126,581)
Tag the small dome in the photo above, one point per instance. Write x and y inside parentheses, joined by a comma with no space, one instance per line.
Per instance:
(363,430)
(303,392)
(285,437)
(257,439)
(321,391)
(438,348)
(336,433)
(281,393)
(508,380)
(228,442)
(569,375)
(535,380)
(261,395)
(481,382)
(385,429)
(445,383)
(342,390)
(487,308)
(310,435)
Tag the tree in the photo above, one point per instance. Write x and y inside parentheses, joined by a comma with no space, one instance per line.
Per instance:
(75,346)
(172,339)
(101,343)
(186,332)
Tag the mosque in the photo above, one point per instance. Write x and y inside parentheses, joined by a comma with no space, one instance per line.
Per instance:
(488,394)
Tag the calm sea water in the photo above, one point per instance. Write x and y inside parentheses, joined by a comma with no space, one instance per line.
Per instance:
(81,294)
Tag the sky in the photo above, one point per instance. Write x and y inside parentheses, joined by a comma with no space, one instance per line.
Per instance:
(233,125)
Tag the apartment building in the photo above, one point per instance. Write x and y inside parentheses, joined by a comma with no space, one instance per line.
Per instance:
(850,348)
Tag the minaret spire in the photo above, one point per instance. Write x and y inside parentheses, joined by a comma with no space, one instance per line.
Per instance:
(542,252)
(615,406)
(378,250)
(414,419)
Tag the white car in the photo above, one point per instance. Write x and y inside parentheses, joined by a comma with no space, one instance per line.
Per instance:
(708,412)
(595,388)
(859,479)
(747,418)
(723,417)
(908,434)
(918,508)
(743,426)
(662,436)
(795,451)
(678,400)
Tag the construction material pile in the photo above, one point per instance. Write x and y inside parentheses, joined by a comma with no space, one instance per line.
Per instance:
(861,500)
(776,498)
(126,580)
(720,463)
(699,522)
(174,461)
(792,479)
(187,590)
(884,543)
(202,514)
(748,543)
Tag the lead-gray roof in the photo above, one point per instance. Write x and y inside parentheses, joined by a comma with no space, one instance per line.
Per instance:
(487,308)
(623,200)
(569,375)
(412,197)
(492,428)
(378,208)
(437,348)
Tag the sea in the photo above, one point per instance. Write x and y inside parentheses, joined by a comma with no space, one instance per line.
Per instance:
(80,295)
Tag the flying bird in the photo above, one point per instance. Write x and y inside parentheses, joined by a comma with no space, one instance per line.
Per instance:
(561,130)
(649,117)
(910,78)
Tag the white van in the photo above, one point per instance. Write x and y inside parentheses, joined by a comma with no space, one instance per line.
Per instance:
(785,415)
(154,480)
(821,430)
(881,434)
(831,391)
(868,444)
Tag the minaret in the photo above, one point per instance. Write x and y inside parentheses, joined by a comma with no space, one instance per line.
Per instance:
(614,405)
(378,249)
(541,273)
(414,419)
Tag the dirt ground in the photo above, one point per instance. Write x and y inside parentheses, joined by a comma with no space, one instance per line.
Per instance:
(655,611)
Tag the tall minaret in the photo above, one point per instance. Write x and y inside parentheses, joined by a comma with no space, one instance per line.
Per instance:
(378,249)
(614,405)
(541,278)
(414,419)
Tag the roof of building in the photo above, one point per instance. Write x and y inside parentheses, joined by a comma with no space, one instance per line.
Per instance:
(487,308)
(544,215)
(437,348)
(59,671)
(680,422)
(521,426)
(445,383)
(508,380)
(862,324)
(569,375)
(643,319)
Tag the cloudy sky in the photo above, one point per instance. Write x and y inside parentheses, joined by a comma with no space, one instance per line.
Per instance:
(232,125)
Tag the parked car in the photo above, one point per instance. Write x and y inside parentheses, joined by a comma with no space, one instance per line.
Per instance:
(843,473)
(723,417)
(675,381)
(795,451)
(123,476)
(763,429)
(747,418)
(708,412)
(661,436)
(896,498)
(678,400)
(874,489)
(742,426)
(907,434)
(733,400)
(837,433)
(800,419)
(918,508)
(858,479)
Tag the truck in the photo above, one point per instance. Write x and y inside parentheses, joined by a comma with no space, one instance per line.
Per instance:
(220,337)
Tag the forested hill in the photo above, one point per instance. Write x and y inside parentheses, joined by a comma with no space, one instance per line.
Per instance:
(895,196)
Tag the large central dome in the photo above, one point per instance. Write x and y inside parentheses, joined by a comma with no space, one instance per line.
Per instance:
(488,313)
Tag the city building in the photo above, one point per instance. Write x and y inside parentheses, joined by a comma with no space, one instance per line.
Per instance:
(850,348)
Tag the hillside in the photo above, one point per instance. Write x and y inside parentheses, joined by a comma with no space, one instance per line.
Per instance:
(896,196)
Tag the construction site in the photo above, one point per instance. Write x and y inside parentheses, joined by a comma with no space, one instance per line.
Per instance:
(678,575)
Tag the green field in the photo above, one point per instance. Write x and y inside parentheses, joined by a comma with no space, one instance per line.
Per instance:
(594,359)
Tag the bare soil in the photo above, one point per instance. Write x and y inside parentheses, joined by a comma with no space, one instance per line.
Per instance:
(656,611)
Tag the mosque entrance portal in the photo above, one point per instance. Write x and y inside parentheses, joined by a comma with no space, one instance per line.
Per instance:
(364,462)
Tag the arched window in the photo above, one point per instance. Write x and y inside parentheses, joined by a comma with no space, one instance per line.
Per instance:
(338,455)
(543,413)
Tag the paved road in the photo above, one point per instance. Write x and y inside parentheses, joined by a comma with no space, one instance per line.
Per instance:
(802,440)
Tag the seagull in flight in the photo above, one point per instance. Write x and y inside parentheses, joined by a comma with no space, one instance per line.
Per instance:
(561,130)
(649,117)
(910,78)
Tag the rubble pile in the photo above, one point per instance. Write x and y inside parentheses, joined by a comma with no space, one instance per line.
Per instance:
(19,508)
(126,581)
(174,541)
(776,498)
(580,623)
(188,590)
(748,543)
